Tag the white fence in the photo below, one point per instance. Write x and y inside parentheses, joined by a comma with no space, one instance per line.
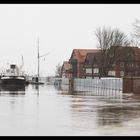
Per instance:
(99,86)
(65,84)
(96,86)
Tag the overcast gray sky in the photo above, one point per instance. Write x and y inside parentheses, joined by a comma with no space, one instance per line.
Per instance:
(60,28)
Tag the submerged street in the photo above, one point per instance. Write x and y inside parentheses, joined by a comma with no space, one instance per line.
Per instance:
(44,110)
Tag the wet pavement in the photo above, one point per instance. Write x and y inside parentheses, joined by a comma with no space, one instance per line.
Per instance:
(46,111)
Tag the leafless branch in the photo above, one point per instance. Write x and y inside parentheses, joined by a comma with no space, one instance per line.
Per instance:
(109,42)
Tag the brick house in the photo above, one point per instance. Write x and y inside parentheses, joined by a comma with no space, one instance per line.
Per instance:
(90,66)
(83,63)
(125,66)
(77,61)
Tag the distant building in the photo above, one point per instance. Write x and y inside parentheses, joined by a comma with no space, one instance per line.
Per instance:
(77,61)
(65,71)
(83,63)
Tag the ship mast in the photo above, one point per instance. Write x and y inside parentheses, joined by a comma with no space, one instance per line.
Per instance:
(39,56)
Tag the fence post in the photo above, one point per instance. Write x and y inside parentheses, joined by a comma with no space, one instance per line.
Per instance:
(71,85)
(127,84)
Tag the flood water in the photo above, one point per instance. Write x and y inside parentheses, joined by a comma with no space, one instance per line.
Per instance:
(47,111)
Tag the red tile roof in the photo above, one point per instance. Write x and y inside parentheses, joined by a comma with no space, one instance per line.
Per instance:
(80,54)
(84,52)
(66,65)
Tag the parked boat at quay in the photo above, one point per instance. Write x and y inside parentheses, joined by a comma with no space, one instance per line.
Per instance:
(13,77)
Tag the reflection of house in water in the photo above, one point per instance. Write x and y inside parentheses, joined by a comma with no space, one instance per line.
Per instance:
(114,115)
(5,92)
(100,111)
(58,87)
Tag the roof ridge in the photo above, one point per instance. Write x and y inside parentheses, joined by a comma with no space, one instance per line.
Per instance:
(86,49)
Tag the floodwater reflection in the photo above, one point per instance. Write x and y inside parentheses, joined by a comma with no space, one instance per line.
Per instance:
(12,90)
(96,112)
(46,110)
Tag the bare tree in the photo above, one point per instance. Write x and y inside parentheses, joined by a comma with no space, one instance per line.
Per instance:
(58,70)
(109,43)
(136,33)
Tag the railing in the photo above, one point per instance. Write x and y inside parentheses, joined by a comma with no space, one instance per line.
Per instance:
(99,86)
(95,86)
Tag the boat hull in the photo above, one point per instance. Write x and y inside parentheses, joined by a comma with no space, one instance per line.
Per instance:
(13,81)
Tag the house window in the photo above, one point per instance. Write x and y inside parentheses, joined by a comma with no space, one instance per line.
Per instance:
(111,73)
(95,70)
(88,70)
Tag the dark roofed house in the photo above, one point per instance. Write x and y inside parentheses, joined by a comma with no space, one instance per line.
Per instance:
(128,62)
(77,61)
(83,63)
(90,67)
(128,66)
